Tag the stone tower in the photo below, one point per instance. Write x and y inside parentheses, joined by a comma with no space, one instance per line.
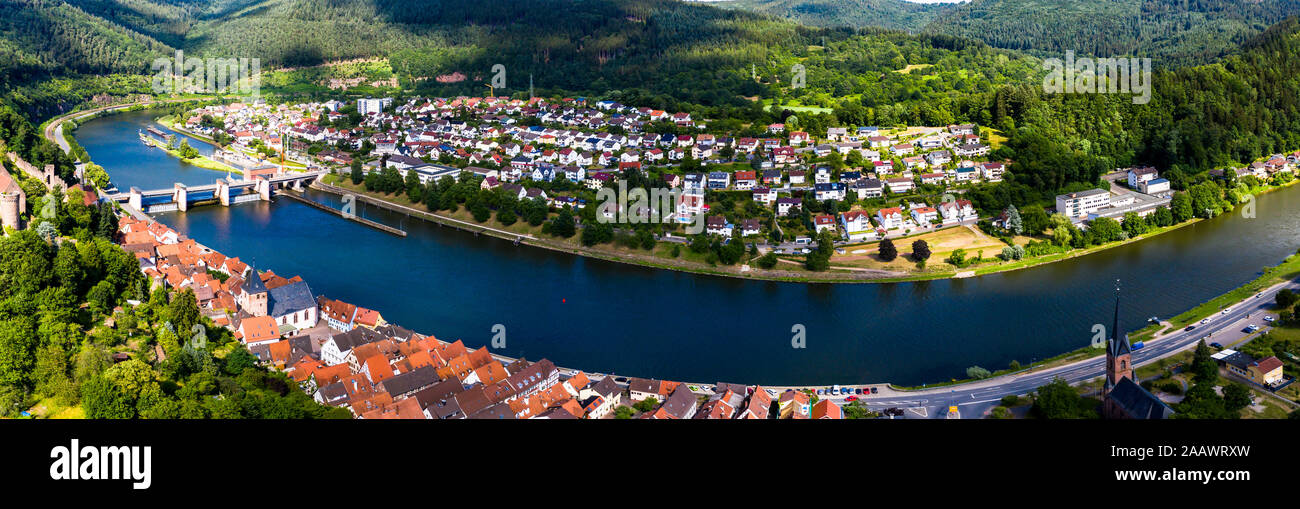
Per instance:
(255,294)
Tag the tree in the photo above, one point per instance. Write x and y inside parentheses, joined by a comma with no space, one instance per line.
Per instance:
(920,251)
(646,405)
(768,260)
(977,373)
(1181,207)
(102,298)
(887,250)
(1058,400)
(18,342)
(507,217)
(563,225)
(1034,220)
(183,311)
(957,258)
(1236,397)
(357,176)
(1104,229)
(1204,369)
(1285,298)
(186,151)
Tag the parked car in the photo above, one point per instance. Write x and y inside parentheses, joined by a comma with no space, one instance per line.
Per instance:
(1268,318)
(857,390)
(874,390)
(1205,321)
(1217,346)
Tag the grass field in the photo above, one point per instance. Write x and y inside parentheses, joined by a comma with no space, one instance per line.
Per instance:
(995,137)
(942,243)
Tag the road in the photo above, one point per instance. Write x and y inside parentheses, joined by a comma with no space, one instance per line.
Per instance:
(975,398)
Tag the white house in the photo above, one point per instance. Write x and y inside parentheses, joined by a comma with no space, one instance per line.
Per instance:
(890,218)
(857,225)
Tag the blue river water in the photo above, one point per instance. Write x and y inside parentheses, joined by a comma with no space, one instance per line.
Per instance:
(618,318)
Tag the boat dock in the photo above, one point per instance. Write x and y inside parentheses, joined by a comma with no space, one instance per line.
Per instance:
(337,212)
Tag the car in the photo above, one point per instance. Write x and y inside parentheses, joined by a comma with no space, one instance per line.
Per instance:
(1257,295)
(857,391)
(1205,321)
(819,392)
(874,390)
(1224,312)
(851,398)
(1268,318)
(1189,328)
(1216,345)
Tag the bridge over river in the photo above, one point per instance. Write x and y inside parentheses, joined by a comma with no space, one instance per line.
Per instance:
(225,191)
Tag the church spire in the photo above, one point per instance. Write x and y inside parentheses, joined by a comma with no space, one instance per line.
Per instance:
(1119,341)
(1118,353)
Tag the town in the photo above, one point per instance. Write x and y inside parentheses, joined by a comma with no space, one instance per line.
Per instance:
(349,356)
(778,191)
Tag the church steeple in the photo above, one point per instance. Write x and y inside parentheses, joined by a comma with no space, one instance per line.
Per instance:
(1119,363)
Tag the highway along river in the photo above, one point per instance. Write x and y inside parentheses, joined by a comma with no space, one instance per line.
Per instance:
(610,317)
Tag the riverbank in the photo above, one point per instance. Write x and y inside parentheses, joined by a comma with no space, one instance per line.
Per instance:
(174,126)
(198,161)
(660,257)
(1287,270)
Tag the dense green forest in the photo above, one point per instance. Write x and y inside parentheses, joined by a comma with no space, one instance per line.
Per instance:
(891,14)
(1173,32)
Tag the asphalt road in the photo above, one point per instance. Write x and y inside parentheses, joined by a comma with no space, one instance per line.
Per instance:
(976,397)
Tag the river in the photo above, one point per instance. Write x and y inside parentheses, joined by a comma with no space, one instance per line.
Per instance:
(617,318)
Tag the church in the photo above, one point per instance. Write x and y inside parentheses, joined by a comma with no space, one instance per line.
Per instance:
(1123,397)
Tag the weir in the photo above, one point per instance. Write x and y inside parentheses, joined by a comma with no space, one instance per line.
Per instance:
(225,192)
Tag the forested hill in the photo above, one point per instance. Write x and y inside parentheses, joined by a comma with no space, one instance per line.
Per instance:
(891,14)
(1173,32)
(1200,117)
(642,51)
(43,37)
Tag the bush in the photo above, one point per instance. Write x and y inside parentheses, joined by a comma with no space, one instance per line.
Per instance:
(977,372)
(1170,386)
(1010,400)
(1000,412)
